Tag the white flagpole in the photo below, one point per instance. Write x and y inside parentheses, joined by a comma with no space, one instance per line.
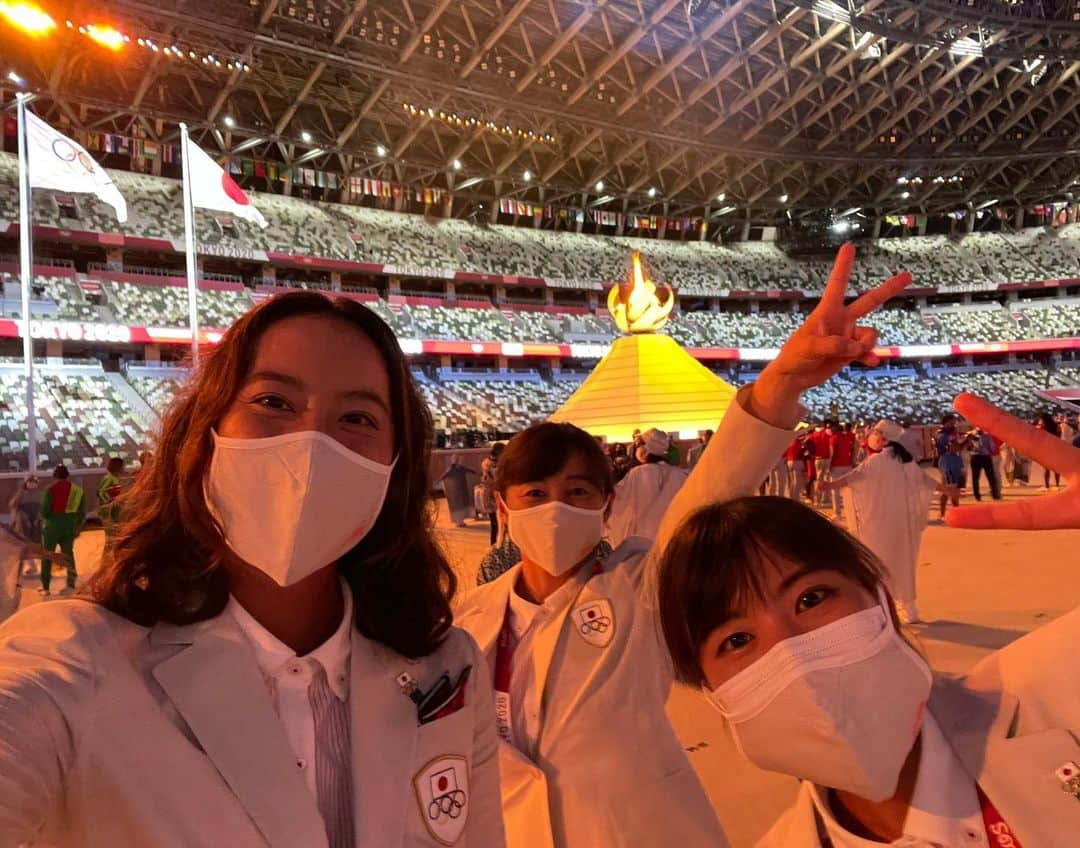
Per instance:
(189,246)
(26,274)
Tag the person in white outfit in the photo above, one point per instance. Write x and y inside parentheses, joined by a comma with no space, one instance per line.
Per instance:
(890,496)
(267,660)
(795,643)
(646,492)
(570,634)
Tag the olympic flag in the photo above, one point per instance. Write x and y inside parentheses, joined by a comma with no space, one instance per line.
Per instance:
(57,162)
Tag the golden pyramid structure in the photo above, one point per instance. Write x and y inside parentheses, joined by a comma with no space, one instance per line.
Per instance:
(646,379)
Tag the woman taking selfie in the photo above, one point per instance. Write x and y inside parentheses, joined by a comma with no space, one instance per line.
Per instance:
(267,658)
(571,642)
(795,641)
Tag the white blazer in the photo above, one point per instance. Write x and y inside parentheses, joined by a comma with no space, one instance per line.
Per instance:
(612,772)
(112,734)
(1013,722)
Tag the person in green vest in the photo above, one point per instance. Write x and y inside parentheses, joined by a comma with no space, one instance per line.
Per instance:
(63,511)
(112,487)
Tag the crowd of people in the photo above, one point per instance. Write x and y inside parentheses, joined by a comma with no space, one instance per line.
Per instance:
(274,650)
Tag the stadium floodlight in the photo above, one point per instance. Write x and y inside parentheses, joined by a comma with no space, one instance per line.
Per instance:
(527,176)
(108,37)
(229,122)
(456,164)
(987,204)
(784,197)
(305,137)
(905,195)
(15,78)
(841,226)
(599,185)
(652,192)
(380,150)
(721,197)
(28,17)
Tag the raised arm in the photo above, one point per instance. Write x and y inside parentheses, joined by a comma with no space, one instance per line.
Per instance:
(757,427)
(1060,511)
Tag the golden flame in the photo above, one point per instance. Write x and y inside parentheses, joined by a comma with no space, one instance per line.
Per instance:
(636,307)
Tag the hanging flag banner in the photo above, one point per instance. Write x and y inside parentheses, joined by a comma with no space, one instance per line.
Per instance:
(57,162)
(212,188)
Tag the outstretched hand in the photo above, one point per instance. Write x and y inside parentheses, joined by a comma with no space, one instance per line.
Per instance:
(829,339)
(1059,511)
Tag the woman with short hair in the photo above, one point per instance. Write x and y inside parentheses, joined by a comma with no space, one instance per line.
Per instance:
(786,623)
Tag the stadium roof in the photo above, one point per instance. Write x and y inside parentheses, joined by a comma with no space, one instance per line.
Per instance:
(643,106)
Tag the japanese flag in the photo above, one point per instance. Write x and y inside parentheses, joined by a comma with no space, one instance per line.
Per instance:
(212,188)
(57,162)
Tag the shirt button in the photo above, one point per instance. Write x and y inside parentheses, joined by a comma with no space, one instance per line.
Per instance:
(295,668)
(341,678)
(301,764)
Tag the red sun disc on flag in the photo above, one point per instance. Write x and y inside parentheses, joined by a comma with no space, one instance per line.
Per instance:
(236,195)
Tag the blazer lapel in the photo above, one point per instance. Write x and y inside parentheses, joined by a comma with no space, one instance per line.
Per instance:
(547,638)
(218,690)
(483,623)
(1017,772)
(383,732)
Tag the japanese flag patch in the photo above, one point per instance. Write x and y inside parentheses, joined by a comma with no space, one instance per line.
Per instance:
(442,791)
(594,621)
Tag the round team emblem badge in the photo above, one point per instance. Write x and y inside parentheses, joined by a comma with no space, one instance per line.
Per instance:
(442,792)
(595,622)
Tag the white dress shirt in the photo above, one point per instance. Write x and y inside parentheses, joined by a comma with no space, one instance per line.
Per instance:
(289,676)
(944,811)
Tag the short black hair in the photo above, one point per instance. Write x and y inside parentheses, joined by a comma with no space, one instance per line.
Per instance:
(711,569)
(116,463)
(544,449)
(61,472)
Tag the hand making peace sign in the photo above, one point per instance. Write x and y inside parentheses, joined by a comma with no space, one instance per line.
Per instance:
(829,339)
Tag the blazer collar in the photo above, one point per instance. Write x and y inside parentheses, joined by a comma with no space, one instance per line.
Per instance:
(1016,771)
(216,687)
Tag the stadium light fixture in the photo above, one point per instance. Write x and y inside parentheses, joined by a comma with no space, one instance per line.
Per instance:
(305,137)
(905,195)
(784,197)
(28,17)
(599,185)
(380,150)
(652,192)
(15,78)
(229,122)
(841,226)
(108,37)
(457,164)
(721,197)
(527,176)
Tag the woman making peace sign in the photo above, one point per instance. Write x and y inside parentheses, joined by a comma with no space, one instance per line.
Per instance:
(581,677)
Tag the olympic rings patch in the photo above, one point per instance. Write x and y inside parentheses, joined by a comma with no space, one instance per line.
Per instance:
(442,791)
(595,622)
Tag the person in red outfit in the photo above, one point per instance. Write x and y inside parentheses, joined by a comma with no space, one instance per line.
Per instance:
(842,457)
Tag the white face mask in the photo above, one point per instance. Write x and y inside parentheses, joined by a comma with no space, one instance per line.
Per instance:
(291,505)
(555,535)
(840,706)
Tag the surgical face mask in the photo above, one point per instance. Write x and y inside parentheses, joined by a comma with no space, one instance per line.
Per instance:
(555,535)
(291,505)
(840,706)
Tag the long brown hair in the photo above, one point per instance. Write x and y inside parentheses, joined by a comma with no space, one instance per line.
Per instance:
(167,559)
